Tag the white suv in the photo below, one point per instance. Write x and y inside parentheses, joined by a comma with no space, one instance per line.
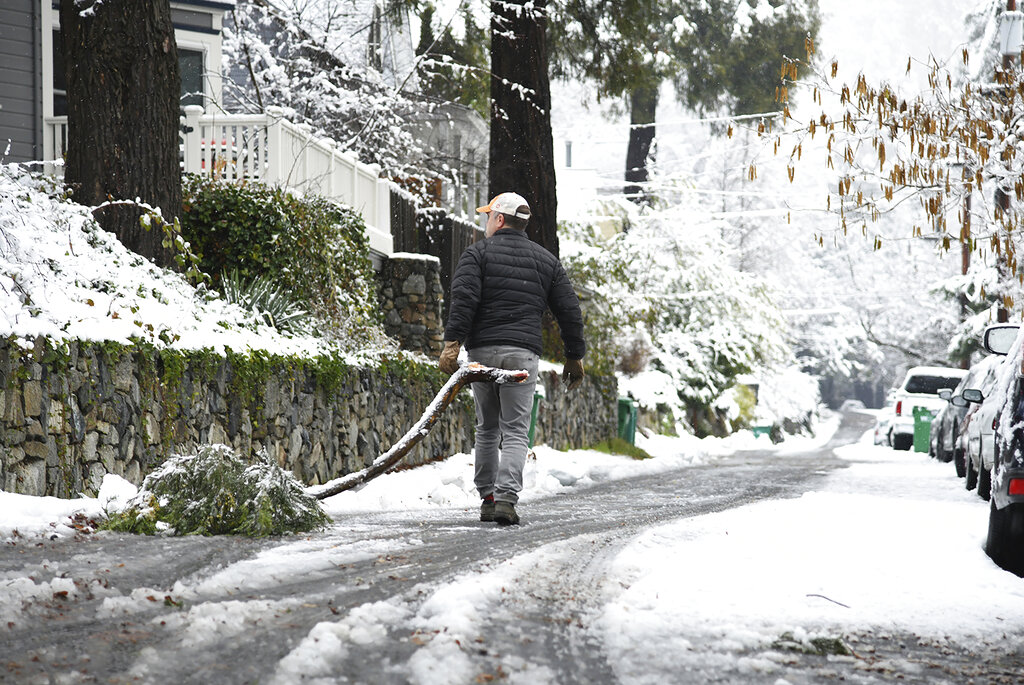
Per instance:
(920,388)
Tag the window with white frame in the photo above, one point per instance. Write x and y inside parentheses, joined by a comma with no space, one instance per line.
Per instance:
(199,53)
(375,48)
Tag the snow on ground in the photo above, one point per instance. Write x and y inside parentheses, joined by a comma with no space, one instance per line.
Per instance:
(447,483)
(64,277)
(891,544)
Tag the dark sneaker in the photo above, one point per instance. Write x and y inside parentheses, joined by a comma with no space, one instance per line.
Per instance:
(487,510)
(505,514)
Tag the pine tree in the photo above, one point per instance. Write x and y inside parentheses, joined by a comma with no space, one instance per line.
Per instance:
(521,150)
(721,56)
(454,70)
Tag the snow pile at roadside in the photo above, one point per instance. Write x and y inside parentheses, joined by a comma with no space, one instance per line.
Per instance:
(739,579)
(64,277)
(30,515)
(786,393)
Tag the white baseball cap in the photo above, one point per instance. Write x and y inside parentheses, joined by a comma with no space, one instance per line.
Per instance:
(508,203)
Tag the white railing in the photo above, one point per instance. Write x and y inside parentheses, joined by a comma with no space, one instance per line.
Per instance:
(269,148)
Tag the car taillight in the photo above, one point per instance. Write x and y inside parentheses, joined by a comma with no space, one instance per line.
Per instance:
(1017,486)
(899,408)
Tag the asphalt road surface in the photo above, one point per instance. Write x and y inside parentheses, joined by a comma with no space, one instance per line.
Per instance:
(235,610)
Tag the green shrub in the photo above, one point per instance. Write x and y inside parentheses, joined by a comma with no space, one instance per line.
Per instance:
(746,400)
(314,248)
(617,445)
(216,492)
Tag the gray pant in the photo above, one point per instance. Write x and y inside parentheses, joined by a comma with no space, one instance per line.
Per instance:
(502,418)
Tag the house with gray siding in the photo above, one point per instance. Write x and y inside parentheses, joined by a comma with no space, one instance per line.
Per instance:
(32,92)
(366,35)
(21,93)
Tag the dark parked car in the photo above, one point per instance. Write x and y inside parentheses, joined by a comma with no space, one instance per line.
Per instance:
(1005,542)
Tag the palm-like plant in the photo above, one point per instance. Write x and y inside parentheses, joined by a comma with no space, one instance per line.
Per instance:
(266,299)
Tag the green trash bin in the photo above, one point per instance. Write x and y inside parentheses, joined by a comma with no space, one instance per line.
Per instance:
(627,420)
(537,397)
(922,428)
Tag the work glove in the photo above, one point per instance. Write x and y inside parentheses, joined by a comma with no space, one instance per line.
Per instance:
(572,373)
(449,361)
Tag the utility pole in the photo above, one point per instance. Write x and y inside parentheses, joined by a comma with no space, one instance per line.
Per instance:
(965,250)
(1011,38)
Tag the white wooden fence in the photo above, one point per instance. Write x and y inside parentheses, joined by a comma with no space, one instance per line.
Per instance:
(269,148)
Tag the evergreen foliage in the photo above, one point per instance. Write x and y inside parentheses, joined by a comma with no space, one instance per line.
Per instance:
(672,297)
(215,492)
(266,298)
(311,248)
(453,69)
(721,56)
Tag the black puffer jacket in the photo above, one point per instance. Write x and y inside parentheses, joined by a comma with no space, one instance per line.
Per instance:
(500,289)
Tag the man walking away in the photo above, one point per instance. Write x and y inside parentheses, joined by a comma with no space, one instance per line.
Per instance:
(500,290)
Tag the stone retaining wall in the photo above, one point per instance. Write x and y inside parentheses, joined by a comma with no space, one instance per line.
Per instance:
(411,300)
(71,413)
(583,417)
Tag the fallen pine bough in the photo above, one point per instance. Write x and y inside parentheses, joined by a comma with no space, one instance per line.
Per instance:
(467,373)
(217,492)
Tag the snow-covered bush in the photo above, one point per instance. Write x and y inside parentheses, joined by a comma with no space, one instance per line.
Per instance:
(665,291)
(65,278)
(216,492)
(787,398)
(311,247)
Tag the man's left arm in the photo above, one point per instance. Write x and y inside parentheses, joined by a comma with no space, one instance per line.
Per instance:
(565,305)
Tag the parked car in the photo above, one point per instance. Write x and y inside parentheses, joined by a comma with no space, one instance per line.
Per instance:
(948,424)
(883,420)
(1005,541)
(936,429)
(920,388)
(978,441)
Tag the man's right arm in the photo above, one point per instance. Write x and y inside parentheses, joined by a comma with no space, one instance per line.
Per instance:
(464,297)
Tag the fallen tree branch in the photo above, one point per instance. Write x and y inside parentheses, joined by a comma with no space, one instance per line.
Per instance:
(467,373)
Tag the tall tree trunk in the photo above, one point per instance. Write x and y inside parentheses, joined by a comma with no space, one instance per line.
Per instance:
(522,151)
(643,105)
(121,65)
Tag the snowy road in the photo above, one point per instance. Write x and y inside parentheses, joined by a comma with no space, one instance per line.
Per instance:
(436,597)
